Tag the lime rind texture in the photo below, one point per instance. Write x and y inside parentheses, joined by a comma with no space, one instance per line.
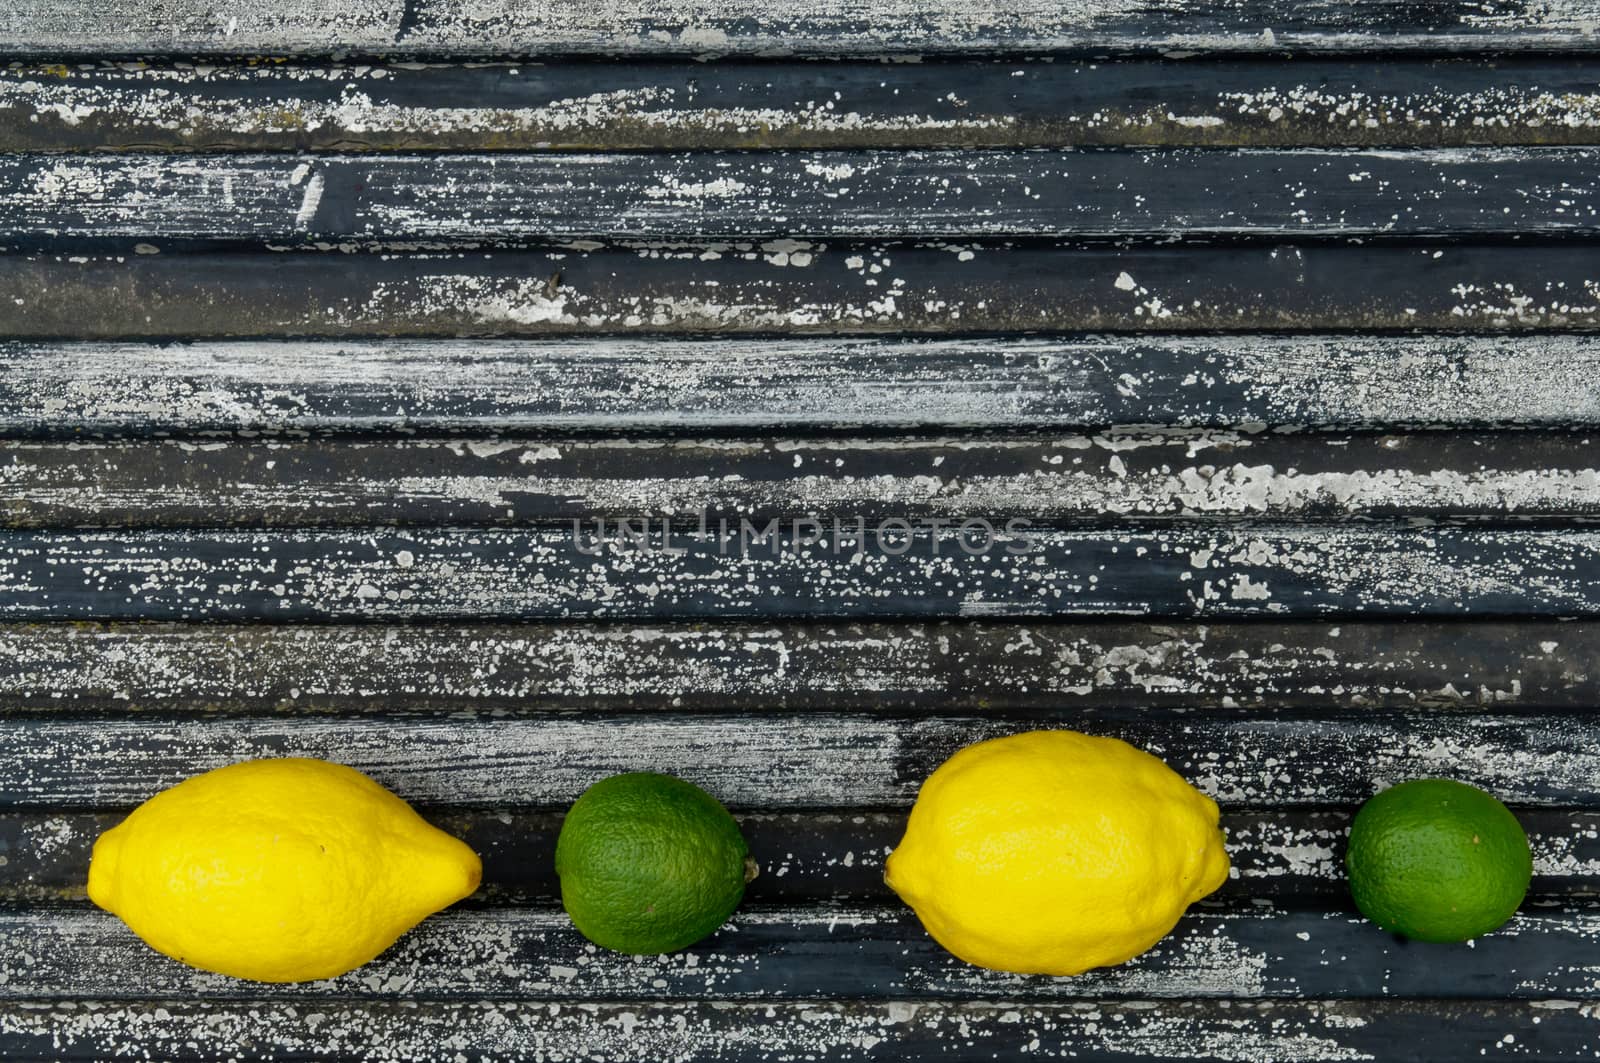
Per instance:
(649,863)
(1438,860)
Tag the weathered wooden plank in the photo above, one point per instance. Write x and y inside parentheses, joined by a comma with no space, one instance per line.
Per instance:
(789,286)
(868,194)
(860,569)
(819,27)
(842,104)
(809,760)
(1442,1031)
(1180,475)
(621,384)
(1090,668)
(835,952)
(806,857)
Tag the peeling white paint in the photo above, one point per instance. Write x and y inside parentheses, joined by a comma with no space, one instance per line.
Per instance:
(646,1032)
(475,27)
(645,477)
(685,194)
(309,203)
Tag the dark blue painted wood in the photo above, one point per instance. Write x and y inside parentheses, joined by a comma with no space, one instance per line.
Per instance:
(589,571)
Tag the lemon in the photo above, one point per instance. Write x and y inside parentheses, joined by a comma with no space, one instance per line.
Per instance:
(1053,852)
(1438,860)
(277,870)
(650,863)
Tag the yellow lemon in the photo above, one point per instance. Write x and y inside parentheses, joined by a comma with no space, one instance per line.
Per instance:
(1053,852)
(277,870)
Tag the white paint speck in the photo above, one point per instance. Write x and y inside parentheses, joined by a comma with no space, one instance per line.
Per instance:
(309,203)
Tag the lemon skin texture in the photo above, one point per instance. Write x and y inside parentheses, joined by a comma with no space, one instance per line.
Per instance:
(1437,860)
(1053,852)
(649,863)
(280,870)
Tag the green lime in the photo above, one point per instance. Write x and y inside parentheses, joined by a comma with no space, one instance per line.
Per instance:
(649,863)
(1437,860)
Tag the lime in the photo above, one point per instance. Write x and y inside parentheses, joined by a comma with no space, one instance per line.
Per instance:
(1437,860)
(649,863)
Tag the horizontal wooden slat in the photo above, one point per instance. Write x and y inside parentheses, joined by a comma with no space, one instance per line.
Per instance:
(783,569)
(655,105)
(821,194)
(895,1031)
(780,761)
(1179,475)
(762,288)
(638,27)
(845,952)
(807,857)
(1088,667)
(692,385)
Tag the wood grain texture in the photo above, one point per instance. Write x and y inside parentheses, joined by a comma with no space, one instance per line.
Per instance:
(1293,857)
(734,384)
(1395,602)
(1441,1031)
(794,569)
(817,27)
(1207,475)
(834,952)
(650,104)
(869,194)
(843,762)
(1091,667)
(761,288)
